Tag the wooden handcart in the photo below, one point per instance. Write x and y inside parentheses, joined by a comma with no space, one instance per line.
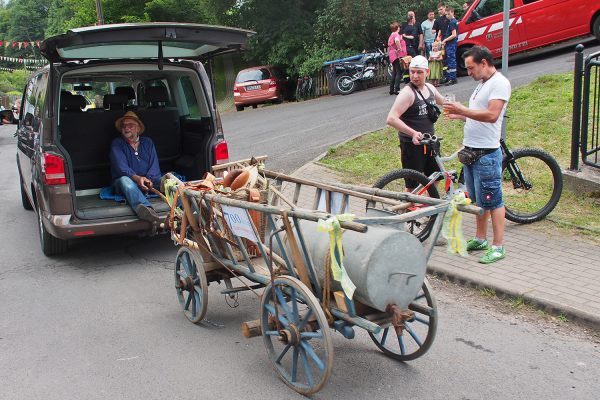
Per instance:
(271,243)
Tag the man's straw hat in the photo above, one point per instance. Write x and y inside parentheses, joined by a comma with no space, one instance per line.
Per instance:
(133,116)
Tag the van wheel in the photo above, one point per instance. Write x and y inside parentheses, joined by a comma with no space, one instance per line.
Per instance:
(24,199)
(596,27)
(461,69)
(254,106)
(239,108)
(50,245)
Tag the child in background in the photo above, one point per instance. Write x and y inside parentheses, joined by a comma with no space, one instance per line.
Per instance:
(435,63)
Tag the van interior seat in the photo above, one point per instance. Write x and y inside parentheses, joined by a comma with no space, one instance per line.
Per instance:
(71,102)
(114,102)
(162,125)
(129,93)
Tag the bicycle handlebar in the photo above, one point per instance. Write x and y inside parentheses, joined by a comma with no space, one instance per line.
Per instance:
(430,139)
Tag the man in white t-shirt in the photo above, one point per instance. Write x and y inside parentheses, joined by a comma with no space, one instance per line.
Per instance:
(483,129)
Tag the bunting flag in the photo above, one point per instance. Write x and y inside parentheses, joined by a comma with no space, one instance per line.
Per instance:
(30,61)
(20,44)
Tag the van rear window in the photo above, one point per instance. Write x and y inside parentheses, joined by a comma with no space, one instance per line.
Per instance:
(253,75)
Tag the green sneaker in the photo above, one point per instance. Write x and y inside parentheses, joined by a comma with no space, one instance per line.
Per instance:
(474,244)
(493,255)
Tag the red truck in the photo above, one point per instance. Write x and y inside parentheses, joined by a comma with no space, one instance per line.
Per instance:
(533,23)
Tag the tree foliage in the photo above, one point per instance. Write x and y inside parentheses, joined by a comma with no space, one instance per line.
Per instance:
(295,34)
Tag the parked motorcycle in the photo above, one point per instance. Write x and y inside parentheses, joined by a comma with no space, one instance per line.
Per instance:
(351,73)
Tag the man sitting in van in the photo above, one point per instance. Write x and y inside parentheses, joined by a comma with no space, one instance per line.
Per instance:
(134,166)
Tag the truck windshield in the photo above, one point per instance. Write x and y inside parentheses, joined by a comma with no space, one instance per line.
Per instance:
(487,8)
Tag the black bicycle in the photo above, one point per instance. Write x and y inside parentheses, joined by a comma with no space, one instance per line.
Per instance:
(531,185)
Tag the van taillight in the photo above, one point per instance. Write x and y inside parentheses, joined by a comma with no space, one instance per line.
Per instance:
(53,169)
(273,83)
(221,152)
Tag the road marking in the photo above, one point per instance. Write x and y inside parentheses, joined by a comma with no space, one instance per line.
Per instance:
(128,358)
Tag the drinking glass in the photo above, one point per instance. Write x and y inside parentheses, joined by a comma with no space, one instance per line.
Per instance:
(449,98)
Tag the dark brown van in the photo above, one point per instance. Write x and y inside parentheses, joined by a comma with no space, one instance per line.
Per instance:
(69,108)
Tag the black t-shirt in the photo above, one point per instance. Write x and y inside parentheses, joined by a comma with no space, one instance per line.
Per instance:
(416,117)
(411,30)
(416,31)
(440,25)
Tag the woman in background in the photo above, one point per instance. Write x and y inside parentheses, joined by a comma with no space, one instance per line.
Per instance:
(396,50)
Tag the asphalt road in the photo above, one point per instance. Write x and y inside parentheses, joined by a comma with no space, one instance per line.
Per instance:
(293,133)
(103,321)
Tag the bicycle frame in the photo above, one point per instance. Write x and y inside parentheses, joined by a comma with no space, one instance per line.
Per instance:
(451,176)
(518,180)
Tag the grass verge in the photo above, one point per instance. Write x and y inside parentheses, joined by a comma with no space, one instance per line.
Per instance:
(540,116)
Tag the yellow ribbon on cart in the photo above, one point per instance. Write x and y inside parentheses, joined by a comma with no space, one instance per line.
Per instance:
(332,226)
(170,194)
(452,227)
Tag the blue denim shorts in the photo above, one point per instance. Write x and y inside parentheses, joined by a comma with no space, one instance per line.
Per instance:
(484,181)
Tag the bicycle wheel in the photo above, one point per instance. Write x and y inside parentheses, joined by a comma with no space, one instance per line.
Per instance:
(396,181)
(531,185)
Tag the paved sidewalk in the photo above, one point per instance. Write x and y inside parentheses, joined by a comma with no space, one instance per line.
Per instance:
(557,273)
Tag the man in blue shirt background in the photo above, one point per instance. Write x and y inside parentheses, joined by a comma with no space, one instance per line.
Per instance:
(134,166)
(450,41)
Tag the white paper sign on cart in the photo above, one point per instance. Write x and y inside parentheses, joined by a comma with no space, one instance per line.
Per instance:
(239,222)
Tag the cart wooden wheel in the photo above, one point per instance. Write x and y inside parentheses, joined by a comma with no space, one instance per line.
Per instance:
(418,334)
(300,347)
(191,284)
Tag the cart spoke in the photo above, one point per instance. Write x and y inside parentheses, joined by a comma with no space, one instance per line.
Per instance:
(295,364)
(271,310)
(419,297)
(307,368)
(421,309)
(310,352)
(282,302)
(194,307)
(285,350)
(305,320)
(182,274)
(384,335)
(185,260)
(296,317)
(413,334)
(421,320)
(401,343)
(187,302)
(313,335)
(272,333)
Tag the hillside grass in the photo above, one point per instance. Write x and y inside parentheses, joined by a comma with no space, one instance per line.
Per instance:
(540,116)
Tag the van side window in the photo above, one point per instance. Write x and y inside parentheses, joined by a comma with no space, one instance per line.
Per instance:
(34,102)
(529,1)
(487,8)
(190,97)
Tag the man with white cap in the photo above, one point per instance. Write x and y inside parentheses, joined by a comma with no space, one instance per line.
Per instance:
(409,116)
(134,166)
